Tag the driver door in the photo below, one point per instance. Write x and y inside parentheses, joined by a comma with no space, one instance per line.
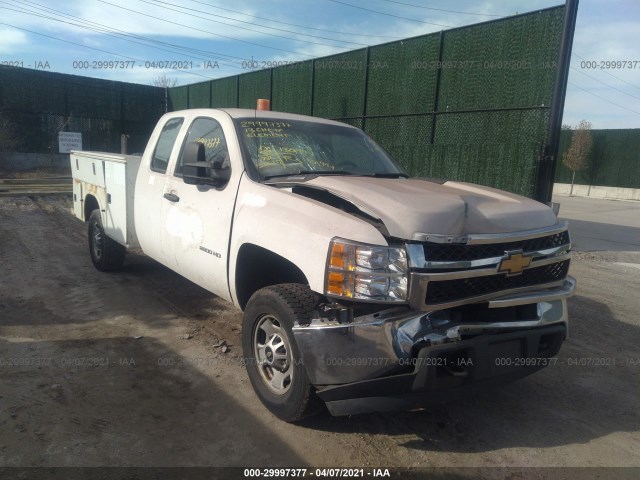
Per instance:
(197,218)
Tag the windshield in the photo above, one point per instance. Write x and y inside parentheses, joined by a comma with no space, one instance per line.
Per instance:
(279,148)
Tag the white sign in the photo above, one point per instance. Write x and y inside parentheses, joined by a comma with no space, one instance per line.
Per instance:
(68,141)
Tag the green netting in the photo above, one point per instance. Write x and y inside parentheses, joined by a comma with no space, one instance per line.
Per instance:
(502,64)
(614,159)
(224,92)
(510,126)
(139,133)
(510,167)
(405,138)
(339,85)
(90,97)
(354,122)
(23,90)
(97,134)
(402,76)
(40,104)
(101,134)
(199,94)
(494,85)
(291,90)
(179,98)
(253,86)
(497,148)
(142,103)
(48,126)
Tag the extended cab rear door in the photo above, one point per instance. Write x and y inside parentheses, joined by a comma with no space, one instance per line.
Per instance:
(197,218)
(152,176)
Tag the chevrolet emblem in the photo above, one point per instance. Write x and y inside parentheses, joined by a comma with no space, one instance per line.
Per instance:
(514,262)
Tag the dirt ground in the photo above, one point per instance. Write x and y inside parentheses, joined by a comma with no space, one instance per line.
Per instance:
(130,369)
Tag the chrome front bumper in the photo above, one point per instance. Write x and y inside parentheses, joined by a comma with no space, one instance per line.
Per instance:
(387,342)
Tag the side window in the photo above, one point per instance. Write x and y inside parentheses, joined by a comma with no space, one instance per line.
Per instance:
(208,132)
(166,140)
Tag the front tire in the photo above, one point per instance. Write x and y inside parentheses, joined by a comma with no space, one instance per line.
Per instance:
(272,359)
(107,255)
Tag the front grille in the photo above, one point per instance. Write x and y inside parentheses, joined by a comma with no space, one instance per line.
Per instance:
(438,252)
(446,291)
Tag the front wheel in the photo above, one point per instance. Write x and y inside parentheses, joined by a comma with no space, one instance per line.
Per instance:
(273,362)
(107,255)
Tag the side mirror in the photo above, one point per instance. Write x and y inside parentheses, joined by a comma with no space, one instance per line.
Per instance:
(196,170)
(221,170)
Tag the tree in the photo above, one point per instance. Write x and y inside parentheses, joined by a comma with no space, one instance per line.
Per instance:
(577,157)
(164,81)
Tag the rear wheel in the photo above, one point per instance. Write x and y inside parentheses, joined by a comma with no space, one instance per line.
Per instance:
(107,255)
(273,362)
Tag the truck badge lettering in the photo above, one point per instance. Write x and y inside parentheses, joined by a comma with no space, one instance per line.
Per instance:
(210,252)
(514,262)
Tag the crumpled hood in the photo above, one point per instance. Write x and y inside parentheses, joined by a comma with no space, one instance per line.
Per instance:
(410,207)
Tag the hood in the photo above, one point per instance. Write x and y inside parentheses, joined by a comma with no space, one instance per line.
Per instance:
(410,208)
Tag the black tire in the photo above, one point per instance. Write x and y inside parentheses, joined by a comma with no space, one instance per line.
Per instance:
(284,305)
(107,255)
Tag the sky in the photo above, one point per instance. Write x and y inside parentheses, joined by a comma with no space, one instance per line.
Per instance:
(135,40)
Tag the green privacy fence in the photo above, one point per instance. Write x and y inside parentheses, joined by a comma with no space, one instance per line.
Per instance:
(614,159)
(39,104)
(471,103)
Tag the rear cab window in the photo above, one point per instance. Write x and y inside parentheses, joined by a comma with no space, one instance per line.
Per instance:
(164,147)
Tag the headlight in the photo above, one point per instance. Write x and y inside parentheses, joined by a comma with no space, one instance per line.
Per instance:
(366,272)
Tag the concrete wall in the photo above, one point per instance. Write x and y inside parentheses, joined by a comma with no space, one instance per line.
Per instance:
(21,162)
(594,191)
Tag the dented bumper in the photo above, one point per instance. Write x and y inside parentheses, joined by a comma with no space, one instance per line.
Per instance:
(399,357)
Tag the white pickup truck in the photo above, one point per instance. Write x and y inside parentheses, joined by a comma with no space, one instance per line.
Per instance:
(361,287)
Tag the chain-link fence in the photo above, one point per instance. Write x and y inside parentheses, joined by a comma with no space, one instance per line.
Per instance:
(37,105)
(471,103)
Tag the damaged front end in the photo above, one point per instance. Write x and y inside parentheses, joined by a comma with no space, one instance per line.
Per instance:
(475,311)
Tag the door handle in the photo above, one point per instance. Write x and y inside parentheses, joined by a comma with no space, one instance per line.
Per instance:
(172,197)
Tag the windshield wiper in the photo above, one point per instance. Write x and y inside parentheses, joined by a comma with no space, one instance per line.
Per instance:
(325,172)
(309,172)
(389,175)
(337,172)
